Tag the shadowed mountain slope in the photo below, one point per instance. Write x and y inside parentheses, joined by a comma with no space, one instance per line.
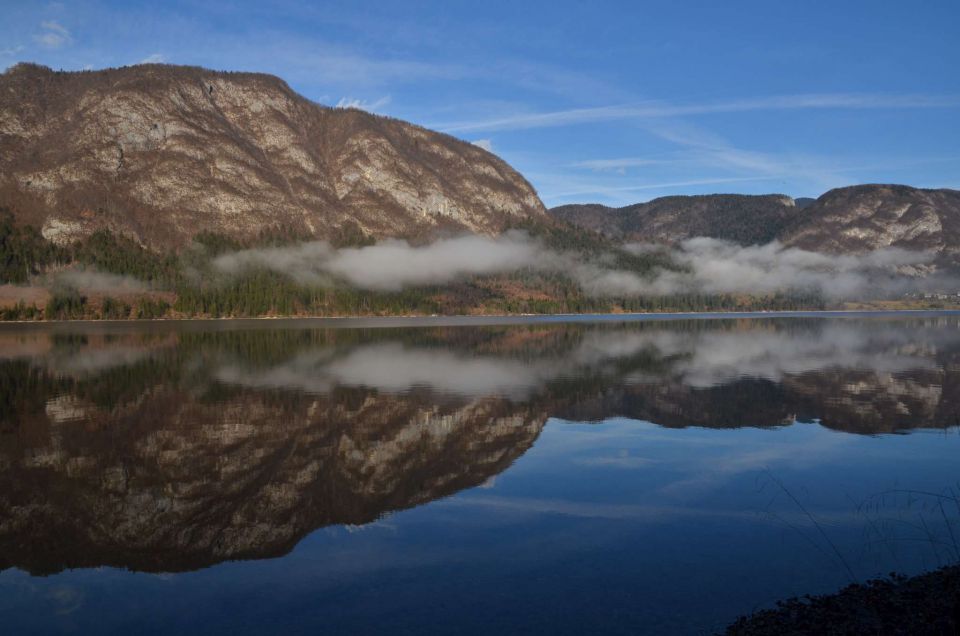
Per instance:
(740,218)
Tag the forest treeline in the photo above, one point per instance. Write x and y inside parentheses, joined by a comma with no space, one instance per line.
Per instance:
(185,285)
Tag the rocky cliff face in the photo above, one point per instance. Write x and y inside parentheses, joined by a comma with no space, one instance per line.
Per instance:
(856,219)
(160,153)
(868,217)
(743,219)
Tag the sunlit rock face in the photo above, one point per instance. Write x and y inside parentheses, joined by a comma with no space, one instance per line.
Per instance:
(173,447)
(869,217)
(850,220)
(160,153)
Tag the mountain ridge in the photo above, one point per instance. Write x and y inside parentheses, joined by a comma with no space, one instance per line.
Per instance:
(159,153)
(673,218)
(851,219)
(855,219)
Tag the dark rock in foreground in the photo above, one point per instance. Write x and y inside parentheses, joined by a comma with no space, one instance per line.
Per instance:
(925,604)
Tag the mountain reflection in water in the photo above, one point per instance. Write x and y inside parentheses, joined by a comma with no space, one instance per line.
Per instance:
(166,449)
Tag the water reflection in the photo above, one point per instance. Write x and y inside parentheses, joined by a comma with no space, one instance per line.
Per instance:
(174,449)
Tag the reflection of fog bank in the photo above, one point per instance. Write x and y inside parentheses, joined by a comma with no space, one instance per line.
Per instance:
(699,359)
(393,368)
(719,357)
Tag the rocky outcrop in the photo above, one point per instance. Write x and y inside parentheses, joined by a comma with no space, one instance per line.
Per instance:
(849,220)
(923,604)
(160,153)
(868,217)
(740,218)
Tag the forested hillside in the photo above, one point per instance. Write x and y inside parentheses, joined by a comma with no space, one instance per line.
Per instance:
(111,277)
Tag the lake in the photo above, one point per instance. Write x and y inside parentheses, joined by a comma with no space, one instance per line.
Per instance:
(560,476)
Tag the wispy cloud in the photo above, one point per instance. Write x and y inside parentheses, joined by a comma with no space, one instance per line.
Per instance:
(620,165)
(602,189)
(708,156)
(53,35)
(93,280)
(154,58)
(486,144)
(712,151)
(659,110)
(321,63)
(370,107)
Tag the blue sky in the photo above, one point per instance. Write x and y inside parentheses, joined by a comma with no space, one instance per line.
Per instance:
(613,102)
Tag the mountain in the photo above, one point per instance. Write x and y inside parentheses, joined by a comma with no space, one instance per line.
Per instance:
(867,217)
(160,153)
(854,219)
(744,219)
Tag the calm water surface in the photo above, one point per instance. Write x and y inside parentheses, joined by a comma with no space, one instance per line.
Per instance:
(650,476)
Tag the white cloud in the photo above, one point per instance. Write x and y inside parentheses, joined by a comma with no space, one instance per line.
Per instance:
(154,58)
(620,165)
(53,35)
(486,144)
(392,264)
(92,280)
(709,266)
(710,150)
(708,158)
(716,267)
(661,110)
(607,190)
(370,107)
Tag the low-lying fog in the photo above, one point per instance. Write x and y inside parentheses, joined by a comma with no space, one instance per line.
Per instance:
(706,266)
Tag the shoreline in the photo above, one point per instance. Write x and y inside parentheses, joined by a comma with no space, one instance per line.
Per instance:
(927,603)
(467,320)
